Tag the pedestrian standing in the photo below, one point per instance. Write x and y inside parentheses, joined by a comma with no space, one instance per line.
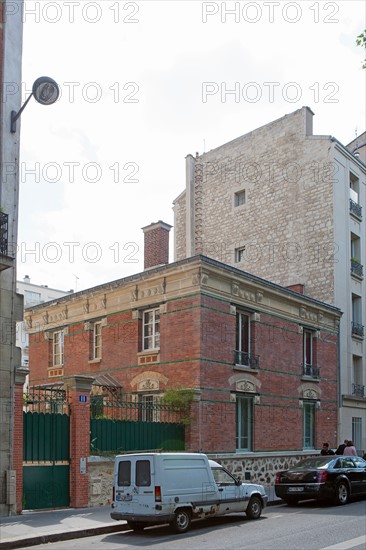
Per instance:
(350,449)
(341,447)
(326,450)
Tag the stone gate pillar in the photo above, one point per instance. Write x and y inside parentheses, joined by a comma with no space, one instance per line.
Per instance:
(16,498)
(79,399)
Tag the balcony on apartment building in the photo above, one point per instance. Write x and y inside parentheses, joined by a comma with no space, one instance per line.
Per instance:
(311,371)
(357,329)
(6,260)
(246,359)
(355,209)
(356,268)
(358,390)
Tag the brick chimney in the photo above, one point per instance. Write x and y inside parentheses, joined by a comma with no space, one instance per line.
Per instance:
(297,288)
(156,244)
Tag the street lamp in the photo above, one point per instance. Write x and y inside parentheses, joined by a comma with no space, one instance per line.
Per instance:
(45,91)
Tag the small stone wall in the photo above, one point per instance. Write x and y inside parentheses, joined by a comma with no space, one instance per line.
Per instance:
(258,468)
(100,473)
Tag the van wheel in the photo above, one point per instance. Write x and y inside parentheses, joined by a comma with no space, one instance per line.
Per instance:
(254,509)
(137,525)
(182,521)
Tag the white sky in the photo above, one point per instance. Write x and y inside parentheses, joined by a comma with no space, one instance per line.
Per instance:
(132,76)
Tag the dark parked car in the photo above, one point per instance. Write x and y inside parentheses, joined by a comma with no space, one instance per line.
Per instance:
(334,478)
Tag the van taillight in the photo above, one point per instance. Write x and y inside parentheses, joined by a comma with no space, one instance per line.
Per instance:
(113,494)
(321,476)
(278,477)
(157,494)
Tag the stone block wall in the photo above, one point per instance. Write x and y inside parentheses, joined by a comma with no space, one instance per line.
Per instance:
(100,472)
(260,469)
(285,224)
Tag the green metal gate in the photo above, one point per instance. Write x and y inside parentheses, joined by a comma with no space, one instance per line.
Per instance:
(46,449)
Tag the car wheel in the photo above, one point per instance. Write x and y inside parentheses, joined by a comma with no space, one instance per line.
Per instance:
(290,500)
(342,493)
(254,509)
(182,521)
(137,525)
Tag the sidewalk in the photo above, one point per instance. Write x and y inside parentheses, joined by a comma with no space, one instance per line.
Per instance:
(34,528)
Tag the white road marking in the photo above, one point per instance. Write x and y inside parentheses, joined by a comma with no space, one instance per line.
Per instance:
(347,544)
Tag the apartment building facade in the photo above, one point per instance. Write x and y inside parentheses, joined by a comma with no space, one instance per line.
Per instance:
(262,359)
(11,305)
(33,295)
(289,206)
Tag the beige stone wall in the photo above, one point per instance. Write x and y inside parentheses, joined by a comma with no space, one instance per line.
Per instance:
(180,223)
(100,472)
(286,221)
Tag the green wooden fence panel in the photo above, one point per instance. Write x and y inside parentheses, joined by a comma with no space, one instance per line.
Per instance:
(122,435)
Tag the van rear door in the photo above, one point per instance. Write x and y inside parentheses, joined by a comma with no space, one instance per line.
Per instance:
(134,486)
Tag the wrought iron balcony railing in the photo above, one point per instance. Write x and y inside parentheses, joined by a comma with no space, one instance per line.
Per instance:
(355,209)
(358,390)
(357,329)
(4,233)
(356,268)
(311,370)
(246,359)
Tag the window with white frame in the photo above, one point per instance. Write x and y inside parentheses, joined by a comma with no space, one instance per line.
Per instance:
(97,340)
(354,187)
(309,356)
(151,329)
(242,349)
(58,348)
(149,408)
(357,432)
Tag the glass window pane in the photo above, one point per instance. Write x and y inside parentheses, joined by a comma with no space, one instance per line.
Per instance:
(124,473)
(244,423)
(143,473)
(309,425)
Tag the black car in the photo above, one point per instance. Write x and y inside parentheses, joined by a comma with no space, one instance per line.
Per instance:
(334,478)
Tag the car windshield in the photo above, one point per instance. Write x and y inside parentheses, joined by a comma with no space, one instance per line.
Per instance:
(318,462)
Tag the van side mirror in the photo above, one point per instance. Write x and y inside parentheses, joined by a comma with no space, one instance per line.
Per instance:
(238,481)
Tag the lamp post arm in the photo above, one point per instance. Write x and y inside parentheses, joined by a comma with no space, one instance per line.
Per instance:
(15,115)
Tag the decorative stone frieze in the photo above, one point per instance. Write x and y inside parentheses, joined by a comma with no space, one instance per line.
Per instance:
(149,379)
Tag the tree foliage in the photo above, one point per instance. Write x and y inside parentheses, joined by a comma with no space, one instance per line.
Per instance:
(361,41)
(180,399)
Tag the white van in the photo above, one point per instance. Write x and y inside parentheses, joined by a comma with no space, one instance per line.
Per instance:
(174,488)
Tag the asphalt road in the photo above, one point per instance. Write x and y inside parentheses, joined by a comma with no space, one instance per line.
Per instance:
(307,526)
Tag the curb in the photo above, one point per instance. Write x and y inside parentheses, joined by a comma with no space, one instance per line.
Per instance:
(68,535)
(82,533)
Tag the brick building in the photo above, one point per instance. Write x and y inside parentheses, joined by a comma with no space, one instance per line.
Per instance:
(288,205)
(262,359)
